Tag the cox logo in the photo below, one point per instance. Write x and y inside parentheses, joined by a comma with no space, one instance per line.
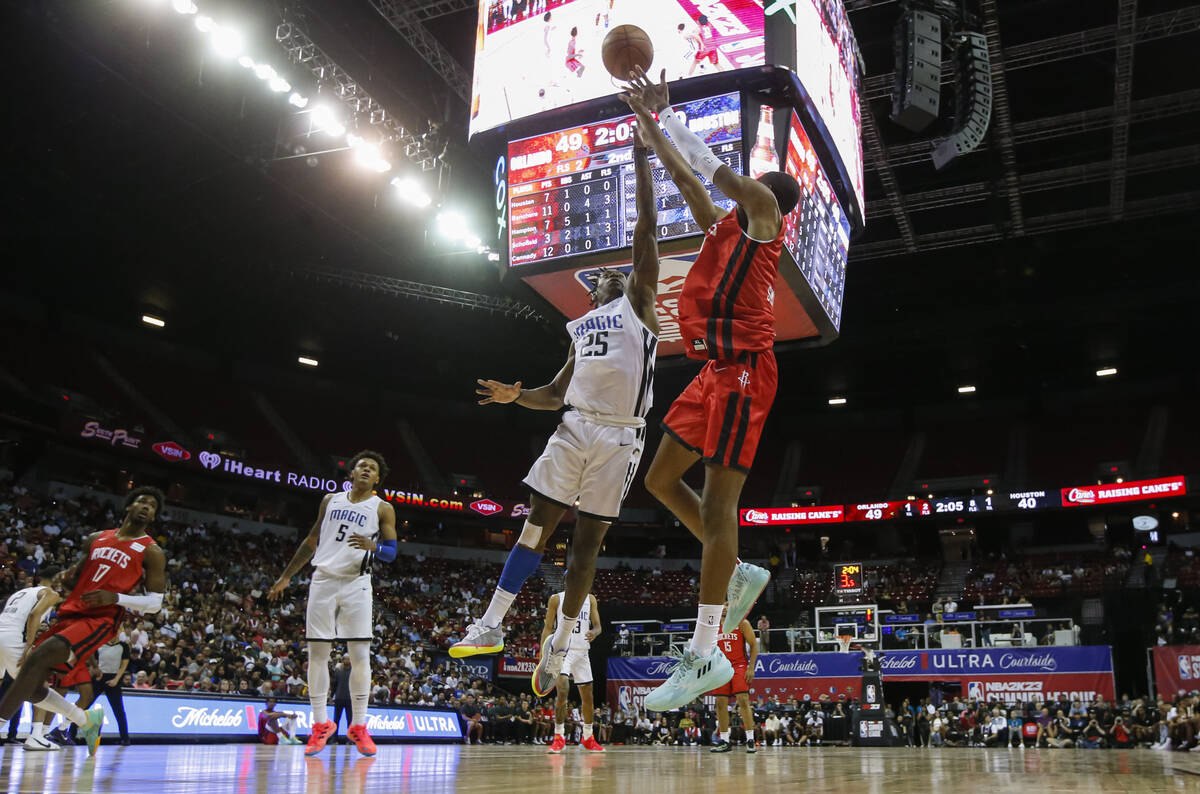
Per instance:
(757,517)
(486,507)
(1084,496)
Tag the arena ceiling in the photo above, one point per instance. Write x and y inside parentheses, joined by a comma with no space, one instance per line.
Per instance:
(144,174)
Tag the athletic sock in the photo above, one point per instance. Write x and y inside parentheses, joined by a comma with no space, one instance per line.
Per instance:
(59,705)
(560,728)
(708,623)
(562,634)
(360,680)
(37,730)
(318,680)
(587,731)
(750,736)
(501,602)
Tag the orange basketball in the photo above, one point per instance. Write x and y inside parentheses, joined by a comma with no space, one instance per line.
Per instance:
(625,47)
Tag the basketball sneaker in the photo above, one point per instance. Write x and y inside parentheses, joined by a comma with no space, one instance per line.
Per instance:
(692,677)
(721,746)
(91,730)
(478,639)
(745,586)
(549,666)
(557,746)
(752,747)
(592,746)
(321,731)
(39,743)
(362,740)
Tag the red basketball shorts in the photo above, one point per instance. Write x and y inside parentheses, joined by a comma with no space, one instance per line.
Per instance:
(710,56)
(85,635)
(574,64)
(79,674)
(736,686)
(721,413)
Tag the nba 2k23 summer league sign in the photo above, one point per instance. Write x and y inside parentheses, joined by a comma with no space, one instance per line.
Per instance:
(515,666)
(233,719)
(1008,675)
(1176,669)
(1134,491)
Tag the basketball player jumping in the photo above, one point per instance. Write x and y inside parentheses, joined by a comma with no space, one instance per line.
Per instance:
(591,460)
(352,530)
(576,667)
(733,645)
(20,620)
(114,563)
(726,313)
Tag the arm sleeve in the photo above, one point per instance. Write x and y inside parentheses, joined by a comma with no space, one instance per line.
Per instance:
(698,155)
(146,604)
(386,550)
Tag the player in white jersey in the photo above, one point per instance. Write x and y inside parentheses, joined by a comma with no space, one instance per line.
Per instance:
(353,529)
(576,667)
(590,461)
(23,613)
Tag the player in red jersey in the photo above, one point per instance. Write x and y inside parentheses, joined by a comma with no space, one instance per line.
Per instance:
(727,316)
(115,563)
(734,645)
(707,49)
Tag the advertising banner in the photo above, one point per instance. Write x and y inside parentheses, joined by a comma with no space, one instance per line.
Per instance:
(1176,669)
(195,716)
(1008,675)
(514,666)
(480,667)
(1134,491)
(780,516)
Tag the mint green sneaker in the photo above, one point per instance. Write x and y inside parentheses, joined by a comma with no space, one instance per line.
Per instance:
(745,586)
(691,678)
(91,731)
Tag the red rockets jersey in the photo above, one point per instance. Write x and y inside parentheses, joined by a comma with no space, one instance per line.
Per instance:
(112,564)
(727,306)
(733,645)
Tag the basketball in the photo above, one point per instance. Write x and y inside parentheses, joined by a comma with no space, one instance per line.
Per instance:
(625,47)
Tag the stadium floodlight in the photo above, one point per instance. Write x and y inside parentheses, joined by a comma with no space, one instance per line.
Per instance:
(452,225)
(306,361)
(279,85)
(227,42)
(408,189)
(324,118)
(472,242)
(264,72)
(246,62)
(493,256)
(966,389)
(1104,373)
(204,23)
(184,6)
(157,322)
(367,154)
(837,400)
(298,100)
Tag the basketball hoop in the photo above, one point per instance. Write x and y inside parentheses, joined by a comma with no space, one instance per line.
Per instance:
(843,642)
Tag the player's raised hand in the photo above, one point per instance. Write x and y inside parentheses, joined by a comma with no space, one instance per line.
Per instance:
(277,589)
(641,89)
(493,391)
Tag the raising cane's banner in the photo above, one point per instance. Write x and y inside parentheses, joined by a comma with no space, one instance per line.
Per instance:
(778,516)
(1008,675)
(1133,491)
(1176,669)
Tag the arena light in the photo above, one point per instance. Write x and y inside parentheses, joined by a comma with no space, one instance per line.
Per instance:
(368,154)
(966,389)
(1104,373)
(408,189)
(279,85)
(227,42)
(246,62)
(493,256)
(157,322)
(205,23)
(837,400)
(306,361)
(298,100)
(325,119)
(452,225)
(264,72)
(474,242)
(184,6)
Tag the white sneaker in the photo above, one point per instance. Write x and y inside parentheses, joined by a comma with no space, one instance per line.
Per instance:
(744,588)
(34,743)
(1166,745)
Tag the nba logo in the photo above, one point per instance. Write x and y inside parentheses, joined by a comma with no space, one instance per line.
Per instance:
(974,690)
(624,698)
(1185,668)
(870,693)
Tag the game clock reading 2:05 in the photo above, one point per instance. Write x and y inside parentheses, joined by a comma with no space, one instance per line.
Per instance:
(571,191)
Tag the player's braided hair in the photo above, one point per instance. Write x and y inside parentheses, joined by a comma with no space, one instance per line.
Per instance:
(375,456)
(160,498)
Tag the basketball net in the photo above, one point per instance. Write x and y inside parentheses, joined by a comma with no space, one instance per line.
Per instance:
(844,641)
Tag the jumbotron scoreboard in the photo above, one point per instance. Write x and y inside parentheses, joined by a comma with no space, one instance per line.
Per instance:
(770,99)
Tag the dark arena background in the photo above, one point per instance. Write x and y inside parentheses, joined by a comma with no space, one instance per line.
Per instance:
(246,240)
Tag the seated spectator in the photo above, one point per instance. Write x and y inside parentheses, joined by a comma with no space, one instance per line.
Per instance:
(276,727)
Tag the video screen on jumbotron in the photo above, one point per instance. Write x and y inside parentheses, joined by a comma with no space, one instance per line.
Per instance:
(827,65)
(536,56)
(817,232)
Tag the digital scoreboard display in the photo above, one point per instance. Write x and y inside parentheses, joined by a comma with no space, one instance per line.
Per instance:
(1033,500)
(817,232)
(571,191)
(875,511)
(950,505)
(848,578)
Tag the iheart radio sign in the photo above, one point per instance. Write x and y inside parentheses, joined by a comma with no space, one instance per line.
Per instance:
(486,507)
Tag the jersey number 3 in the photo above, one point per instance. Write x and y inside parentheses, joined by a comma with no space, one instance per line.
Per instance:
(595,344)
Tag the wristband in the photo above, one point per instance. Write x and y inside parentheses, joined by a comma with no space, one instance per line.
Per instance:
(146,604)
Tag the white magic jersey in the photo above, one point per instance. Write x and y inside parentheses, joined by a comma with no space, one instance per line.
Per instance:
(343,518)
(614,362)
(579,635)
(17,609)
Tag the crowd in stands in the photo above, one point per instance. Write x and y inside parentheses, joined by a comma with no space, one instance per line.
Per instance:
(1048,575)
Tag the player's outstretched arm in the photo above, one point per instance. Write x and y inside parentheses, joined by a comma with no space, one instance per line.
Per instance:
(646,99)
(308,547)
(643,281)
(544,398)
(383,545)
(752,641)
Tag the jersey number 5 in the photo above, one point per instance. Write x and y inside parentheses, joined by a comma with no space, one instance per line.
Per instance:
(341,535)
(596,344)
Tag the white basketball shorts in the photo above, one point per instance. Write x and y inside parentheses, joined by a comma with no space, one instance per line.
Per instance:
(12,645)
(578,666)
(339,608)
(589,462)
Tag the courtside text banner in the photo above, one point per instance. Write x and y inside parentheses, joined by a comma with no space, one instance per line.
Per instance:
(1134,491)
(780,516)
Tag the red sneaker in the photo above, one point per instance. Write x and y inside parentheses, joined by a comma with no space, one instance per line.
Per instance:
(321,732)
(362,740)
(557,746)
(591,745)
